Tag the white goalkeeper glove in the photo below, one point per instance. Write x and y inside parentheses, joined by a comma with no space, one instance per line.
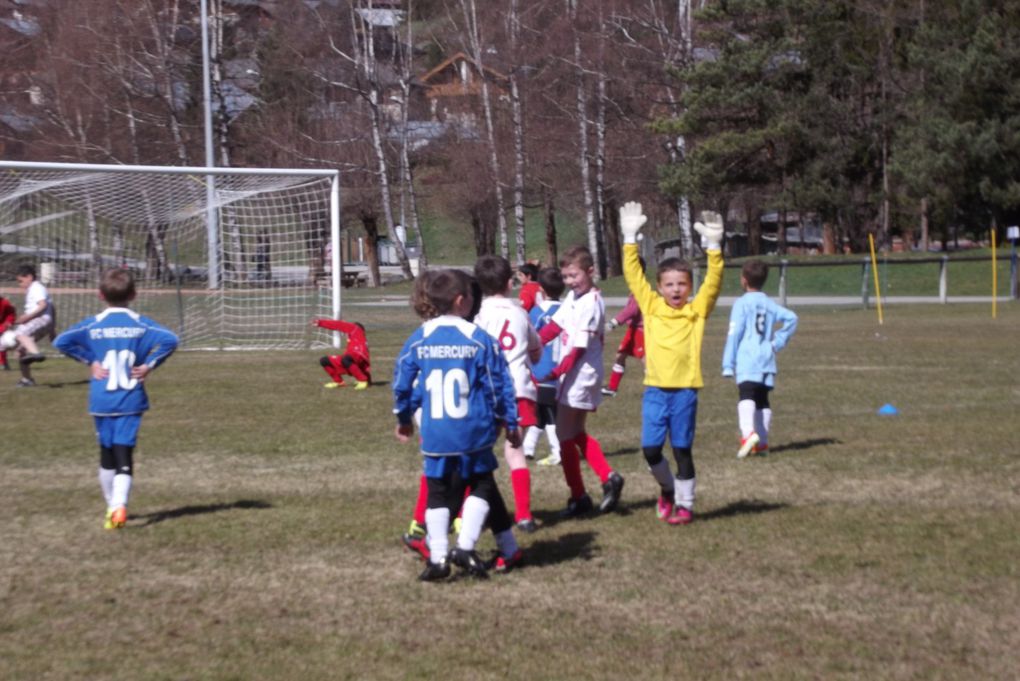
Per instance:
(710,227)
(631,221)
(727,373)
(613,324)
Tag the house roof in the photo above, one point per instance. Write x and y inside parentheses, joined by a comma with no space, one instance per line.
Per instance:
(451,60)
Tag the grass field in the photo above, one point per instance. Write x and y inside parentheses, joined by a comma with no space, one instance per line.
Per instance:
(263,541)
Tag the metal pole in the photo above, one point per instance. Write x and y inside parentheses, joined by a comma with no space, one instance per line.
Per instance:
(1014,292)
(211,222)
(944,280)
(782,282)
(336,260)
(865,270)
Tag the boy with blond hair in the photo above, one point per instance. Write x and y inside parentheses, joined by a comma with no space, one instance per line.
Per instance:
(674,329)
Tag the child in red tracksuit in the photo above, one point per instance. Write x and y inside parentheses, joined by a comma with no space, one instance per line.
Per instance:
(354,361)
(7,316)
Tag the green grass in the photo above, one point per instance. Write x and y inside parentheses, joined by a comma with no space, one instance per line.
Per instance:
(263,541)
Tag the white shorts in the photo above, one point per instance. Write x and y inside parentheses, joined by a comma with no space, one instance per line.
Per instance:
(37,328)
(586,397)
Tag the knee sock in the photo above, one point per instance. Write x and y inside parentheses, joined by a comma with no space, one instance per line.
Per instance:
(570,459)
(664,476)
(423,501)
(616,376)
(593,453)
(520,480)
(121,490)
(531,441)
(506,543)
(475,511)
(437,523)
(685,493)
(554,440)
(763,424)
(357,373)
(106,484)
(745,417)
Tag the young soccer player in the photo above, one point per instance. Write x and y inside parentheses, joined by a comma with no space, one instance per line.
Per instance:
(355,359)
(531,292)
(674,329)
(633,343)
(121,348)
(504,319)
(457,375)
(551,281)
(580,325)
(34,324)
(7,316)
(750,354)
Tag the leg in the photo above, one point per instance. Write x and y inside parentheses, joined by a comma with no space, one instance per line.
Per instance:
(654,426)
(762,419)
(745,417)
(331,366)
(351,365)
(683,415)
(520,476)
(619,366)
(570,424)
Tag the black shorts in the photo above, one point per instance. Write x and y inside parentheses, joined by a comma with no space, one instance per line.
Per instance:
(759,392)
(546,406)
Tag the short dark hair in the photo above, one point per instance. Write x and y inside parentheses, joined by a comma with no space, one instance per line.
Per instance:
(25,271)
(476,293)
(117,286)
(577,255)
(360,326)
(529,269)
(493,273)
(551,282)
(755,272)
(673,265)
(444,288)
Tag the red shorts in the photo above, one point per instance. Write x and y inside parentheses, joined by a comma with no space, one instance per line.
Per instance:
(633,343)
(527,413)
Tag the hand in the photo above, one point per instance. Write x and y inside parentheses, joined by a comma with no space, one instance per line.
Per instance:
(140,372)
(710,227)
(613,324)
(98,372)
(727,372)
(514,437)
(404,431)
(631,221)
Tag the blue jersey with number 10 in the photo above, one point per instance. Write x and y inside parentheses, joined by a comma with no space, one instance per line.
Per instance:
(463,387)
(119,339)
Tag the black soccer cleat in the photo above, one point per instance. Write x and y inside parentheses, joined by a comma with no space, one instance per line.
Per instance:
(469,562)
(434,572)
(527,525)
(611,490)
(578,507)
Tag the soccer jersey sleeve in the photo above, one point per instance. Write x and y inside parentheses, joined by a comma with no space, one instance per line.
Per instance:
(635,276)
(157,345)
(404,374)
(733,337)
(704,302)
(74,342)
(788,319)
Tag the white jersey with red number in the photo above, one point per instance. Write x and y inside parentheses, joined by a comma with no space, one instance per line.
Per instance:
(506,321)
(582,321)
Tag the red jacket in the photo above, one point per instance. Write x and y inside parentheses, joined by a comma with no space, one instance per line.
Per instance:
(530,290)
(357,344)
(7,314)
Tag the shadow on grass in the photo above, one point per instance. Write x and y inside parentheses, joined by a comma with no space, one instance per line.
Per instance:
(160,516)
(742,507)
(63,385)
(622,451)
(800,445)
(572,546)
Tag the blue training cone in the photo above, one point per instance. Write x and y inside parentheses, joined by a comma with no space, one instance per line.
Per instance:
(888,409)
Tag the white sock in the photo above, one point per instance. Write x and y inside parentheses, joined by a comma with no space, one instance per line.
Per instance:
(121,490)
(554,440)
(664,476)
(106,484)
(437,525)
(476,510)
(685,493)
(765,426)
(506,543)
(531,441)
(745,417)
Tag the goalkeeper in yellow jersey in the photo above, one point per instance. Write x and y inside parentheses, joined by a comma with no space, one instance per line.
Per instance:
(674,328)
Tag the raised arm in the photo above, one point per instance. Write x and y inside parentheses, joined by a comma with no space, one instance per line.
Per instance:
(788,319)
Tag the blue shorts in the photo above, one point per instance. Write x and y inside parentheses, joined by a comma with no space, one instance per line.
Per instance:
(475,463)
(668,409)
(117,430)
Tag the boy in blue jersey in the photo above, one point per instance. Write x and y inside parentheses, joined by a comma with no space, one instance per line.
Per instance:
(750,354)
(541,314)
(121,348)
(457,375)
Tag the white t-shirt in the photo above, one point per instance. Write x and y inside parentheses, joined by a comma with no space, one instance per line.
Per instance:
(582,321)
(35,294)
(506,321)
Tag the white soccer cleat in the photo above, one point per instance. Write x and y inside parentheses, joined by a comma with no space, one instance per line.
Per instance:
(747,444)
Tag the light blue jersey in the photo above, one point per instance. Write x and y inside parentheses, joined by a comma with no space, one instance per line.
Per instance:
(541,315)
(463,387)
(753,339)
(119,339)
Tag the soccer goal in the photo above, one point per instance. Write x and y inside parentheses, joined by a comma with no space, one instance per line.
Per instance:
(228,258)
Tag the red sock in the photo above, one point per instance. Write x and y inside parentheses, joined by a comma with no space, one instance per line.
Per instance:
(614,380)
(423,501)
(357,373)
(570,460)
(593,453)
(520,480)
(333,373)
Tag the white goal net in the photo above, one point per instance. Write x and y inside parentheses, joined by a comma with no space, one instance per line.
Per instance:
(228,258)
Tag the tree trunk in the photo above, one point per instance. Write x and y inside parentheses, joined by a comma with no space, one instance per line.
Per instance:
(754,231)
(924,225)
(405,157)
(550,225)
(606,261)
(582,152)
(614,255)
(372,247)
(517,122)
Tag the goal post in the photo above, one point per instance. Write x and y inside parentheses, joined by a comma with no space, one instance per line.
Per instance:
(247,272)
